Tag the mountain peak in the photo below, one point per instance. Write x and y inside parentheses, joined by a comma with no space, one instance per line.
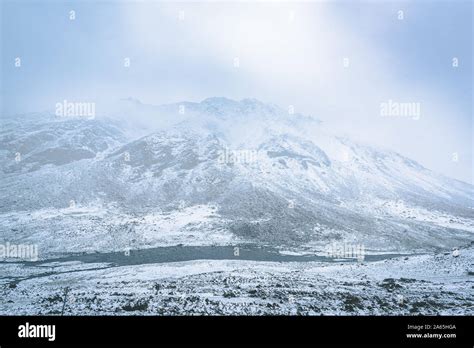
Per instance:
(223,105)
(132,100)
(218,101)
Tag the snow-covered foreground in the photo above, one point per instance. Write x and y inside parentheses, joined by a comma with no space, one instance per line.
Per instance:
(97,228)
(423,284)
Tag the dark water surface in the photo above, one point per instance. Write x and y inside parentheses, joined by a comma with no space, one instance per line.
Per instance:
(189,253)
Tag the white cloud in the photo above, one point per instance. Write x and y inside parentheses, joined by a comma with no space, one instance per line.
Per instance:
(293,53)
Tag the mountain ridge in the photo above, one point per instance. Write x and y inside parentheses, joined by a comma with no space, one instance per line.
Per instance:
(284,180)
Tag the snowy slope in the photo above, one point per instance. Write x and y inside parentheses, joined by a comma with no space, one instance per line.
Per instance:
(286,180)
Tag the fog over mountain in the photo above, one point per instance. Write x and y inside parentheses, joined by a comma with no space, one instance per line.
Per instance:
(255,172)
(237,158)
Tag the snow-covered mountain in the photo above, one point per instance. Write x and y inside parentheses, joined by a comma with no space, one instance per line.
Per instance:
(270,176)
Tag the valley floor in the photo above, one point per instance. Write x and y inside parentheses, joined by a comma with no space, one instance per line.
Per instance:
(436,284)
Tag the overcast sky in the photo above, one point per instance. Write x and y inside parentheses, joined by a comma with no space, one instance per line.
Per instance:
(287,54)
